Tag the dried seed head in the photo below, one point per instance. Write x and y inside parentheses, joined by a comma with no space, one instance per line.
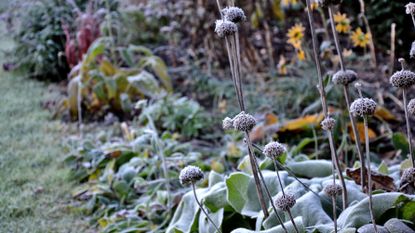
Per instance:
(225,28)
(190,174)
(411,107)
(333,190)
(328,123)
(412,51)
(408,175)
(363,107)
(344,77)
(227,123)
(244,122)
(326,3)
(410,8)
(403,79)
(284,202)
(274,150)
(234,14)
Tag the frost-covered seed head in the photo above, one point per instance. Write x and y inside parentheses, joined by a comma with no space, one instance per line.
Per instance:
(227,123)
(344,77)
(410,8)
(333,190)
(274,150)
(363,107)
(244,122)
(234,14)
(403,79)
(328,123)
(225,28)
(411,107)
(284,202)
(412,51)
(408,175)
(190,174)
(326,3)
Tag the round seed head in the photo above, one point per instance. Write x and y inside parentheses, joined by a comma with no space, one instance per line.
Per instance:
(412,51)
(403,79)
(326,3)
(284,202)
(227,123)
(225,28)
(328,123)
(190,174)
(408,175)
(244,122)
(333,190)
(410,8)
(344,77)
(363,107)
(411,107)
(234,14)
(274,150)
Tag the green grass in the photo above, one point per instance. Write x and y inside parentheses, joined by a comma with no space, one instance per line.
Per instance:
(35,191)
(34,188)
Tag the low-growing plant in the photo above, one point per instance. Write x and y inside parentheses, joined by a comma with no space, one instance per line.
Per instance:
(98,84)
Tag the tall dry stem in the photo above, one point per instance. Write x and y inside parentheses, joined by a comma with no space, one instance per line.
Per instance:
(322,92)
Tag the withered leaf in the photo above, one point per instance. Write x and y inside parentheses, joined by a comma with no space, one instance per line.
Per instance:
(379,181)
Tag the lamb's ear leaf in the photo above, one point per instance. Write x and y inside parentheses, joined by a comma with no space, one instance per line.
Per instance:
(205,226)
(185,219)
(358,214)
(395,225)
(277,229)
(241,191)
(311,168)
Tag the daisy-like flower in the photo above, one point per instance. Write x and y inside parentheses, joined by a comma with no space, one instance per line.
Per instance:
(295,35)
(359,38)
(342,23)
(300,54)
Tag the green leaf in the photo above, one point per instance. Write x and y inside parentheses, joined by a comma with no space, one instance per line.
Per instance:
(277,229)
(311,168)
(205,226)
(394,225)
(358,215)
(400,142)
(383,168)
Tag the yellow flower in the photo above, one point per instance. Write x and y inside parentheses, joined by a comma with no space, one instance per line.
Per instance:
(342,23)
(282,65)
(295,35)
(359,38)
(301,55)
(314,4)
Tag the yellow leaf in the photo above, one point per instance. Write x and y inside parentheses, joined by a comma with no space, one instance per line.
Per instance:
(233,151)
(217,166)
(384,114)
(257,133)
(103,222)
(107,68)
(271,119)
(361,131)
(94,176)
(302,123)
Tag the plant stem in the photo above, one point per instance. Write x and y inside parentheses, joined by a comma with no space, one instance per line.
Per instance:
(79,106)
(336,163)
(366,22)
(233,48)
(336,38)
(201,207)
(335,159)
(289,171)
(392,55)
(365,119)
(255,172)
(408,125)
(283,193)
(357,140)
(292,220)
(278,175)
(413,19)
(333,199)
(270,198)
